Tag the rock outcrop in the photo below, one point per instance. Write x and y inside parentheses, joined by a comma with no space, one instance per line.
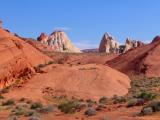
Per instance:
(59,42)
(142,60)
(108,44)
(131,44)
(43,38)
(0,24)
(83,81)
(18,58)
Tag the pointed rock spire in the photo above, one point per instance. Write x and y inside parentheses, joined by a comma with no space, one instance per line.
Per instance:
(108,44)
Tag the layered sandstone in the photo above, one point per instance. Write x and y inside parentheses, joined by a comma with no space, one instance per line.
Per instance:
(84,81)
(131,44)
(18,58)
(108,44)
(59,42)
(142,60)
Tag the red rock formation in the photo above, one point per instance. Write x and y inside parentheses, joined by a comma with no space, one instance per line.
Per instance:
(43,38)
(142,60)
(130,44)
(83,81)
(18,56)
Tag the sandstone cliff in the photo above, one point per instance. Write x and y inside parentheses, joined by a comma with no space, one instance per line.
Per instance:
(108,44)
(59,42)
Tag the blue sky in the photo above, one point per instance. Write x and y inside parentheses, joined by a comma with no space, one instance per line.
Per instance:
(85,21)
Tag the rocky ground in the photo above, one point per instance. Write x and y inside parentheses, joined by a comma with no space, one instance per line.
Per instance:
(31,98)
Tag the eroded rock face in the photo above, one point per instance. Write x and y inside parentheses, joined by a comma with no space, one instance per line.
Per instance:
(108,44)
(142,61)
(131,44)
(18,58)
(59,42)
(43,38)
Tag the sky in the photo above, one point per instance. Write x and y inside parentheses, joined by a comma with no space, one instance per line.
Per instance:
(85,21)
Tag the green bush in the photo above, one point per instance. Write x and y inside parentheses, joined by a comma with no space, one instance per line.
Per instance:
(147,96)
(119,99)
(68,107)
(50,62)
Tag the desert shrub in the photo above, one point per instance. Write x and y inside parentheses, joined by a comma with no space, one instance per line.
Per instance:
(13,118)
(147,111)
(50,62)
(155,105)
(119,99)
(71,106)
(29,101)
(79,106)
(67,107)
(90,102)
(22,99)
(4,90)
(34,118)
(47,109)
(132,102)
(8,102)
(29,113)
(19,110)
(135,102)
(36,105)
(152,107)
(100,107)
(103,100)
(1,97)
(90,112)
(147,95)
(41,65)
(91,68)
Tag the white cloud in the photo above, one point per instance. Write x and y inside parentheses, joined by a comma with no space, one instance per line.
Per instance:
(146,41)
(62,28)
(85,45)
